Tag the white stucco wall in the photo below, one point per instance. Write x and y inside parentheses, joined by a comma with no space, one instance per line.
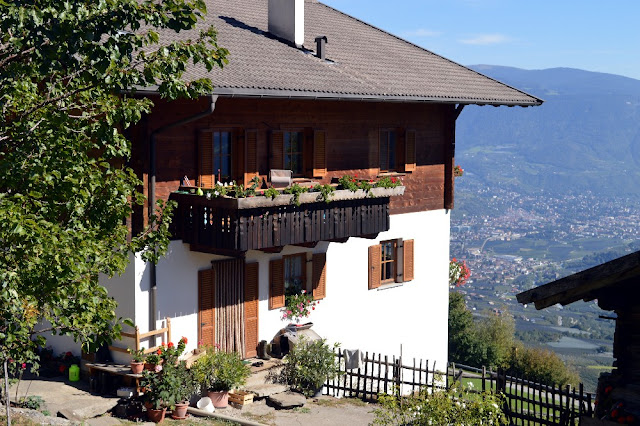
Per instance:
(412,314)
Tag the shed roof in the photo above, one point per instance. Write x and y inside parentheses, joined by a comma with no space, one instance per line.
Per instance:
(363,62)
(620,275)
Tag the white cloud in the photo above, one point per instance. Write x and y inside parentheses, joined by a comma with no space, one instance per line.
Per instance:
(484,39)
(421,32)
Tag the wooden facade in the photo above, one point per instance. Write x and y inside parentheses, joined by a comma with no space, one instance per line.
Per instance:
(345,132)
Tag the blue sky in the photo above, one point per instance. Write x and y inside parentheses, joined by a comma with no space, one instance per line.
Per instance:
(594,35)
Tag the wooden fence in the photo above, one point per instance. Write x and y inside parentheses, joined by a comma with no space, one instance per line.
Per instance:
(525,402)
(381,374)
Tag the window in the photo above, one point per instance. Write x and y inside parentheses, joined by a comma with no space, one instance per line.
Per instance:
(294,273)
(390,261)
(288,276)
(293,152)
(222,156)
(387,150)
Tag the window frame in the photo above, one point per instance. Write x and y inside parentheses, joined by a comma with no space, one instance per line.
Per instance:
(303,270)
(286,134)
(230,155)
(392,262)
(394,151)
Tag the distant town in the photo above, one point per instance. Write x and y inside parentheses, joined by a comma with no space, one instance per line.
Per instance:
(520,241)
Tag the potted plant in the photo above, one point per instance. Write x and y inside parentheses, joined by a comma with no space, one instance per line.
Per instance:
(153,359)
(137,360)
(182,386)
(157,393)
(298,306)
(309,364)
(219,372)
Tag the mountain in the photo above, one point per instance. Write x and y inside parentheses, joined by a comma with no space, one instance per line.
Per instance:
(585,137)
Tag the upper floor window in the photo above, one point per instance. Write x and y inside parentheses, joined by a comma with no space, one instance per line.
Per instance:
(388,151)
(293,152)
(222,155)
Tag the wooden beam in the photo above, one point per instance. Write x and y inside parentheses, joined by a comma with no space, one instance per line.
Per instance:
(339,240)
(272,249)
(307,245)
(369,236)
(585,284)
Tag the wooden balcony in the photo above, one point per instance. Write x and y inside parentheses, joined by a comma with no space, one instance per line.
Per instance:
(232,226)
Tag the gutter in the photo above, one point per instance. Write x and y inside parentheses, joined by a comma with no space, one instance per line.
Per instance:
(241,92)
(152,191)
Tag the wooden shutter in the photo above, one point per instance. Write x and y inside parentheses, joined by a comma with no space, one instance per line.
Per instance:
(276,284)
(277,150)
(408,260)
(251,155)
(206,176)
(206,307)
(319,153)
(374,149)
(251,310)
(319,276)
(410,151)
(375,257)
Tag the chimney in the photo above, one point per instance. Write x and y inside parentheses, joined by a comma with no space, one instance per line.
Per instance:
(286,20)
(321,51)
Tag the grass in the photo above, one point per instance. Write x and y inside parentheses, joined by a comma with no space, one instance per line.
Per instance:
(18,420)
(338,402)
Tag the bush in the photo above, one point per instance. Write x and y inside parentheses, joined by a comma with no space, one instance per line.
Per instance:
(220,371)
(542,366)
(309,364)
(451,407)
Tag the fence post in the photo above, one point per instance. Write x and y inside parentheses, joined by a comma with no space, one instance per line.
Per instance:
(484,374)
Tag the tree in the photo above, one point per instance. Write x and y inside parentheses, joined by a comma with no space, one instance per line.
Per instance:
(462,338)
(68,73)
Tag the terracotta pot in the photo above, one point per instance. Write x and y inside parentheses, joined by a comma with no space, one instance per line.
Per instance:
(150,367)
(137,367)
(180,412)
(156,416)
(219,399)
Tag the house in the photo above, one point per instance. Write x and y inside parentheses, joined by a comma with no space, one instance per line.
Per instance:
(315,91)
(613,284)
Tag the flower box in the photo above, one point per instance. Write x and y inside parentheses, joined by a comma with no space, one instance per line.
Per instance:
(239,397)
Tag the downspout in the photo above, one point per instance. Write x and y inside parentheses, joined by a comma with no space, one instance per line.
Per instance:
(152,192)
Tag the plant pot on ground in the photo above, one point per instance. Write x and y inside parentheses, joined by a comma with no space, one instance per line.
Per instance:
(219,371)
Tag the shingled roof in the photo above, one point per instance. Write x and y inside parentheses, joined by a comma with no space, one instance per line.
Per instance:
(362,62)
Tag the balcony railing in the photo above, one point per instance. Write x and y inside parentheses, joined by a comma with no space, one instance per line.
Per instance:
(232,226)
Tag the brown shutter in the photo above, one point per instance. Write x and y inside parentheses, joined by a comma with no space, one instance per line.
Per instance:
(410,151)
(206,176)
(375,257)
(238,155)
(251,310)
(251,155)
(408,260)
(276,284)
(319,276)
(374,149)
(277,150)
(319,153)
(206,307)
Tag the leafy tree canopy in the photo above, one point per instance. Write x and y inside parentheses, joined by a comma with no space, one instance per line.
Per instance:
(68,73)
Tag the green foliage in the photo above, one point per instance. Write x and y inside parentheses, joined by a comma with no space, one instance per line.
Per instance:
(441,407)
(32,402)
(326,191)
(296,190)
(388,182)
(542,366)
(220,371)
(66,73)
(137,356)
(298,306)
(169,384)
(309,364)
(271,193)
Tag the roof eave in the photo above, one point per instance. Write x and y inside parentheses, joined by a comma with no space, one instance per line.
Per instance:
(311,95)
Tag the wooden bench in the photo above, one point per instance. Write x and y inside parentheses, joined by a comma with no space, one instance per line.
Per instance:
(106,378)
